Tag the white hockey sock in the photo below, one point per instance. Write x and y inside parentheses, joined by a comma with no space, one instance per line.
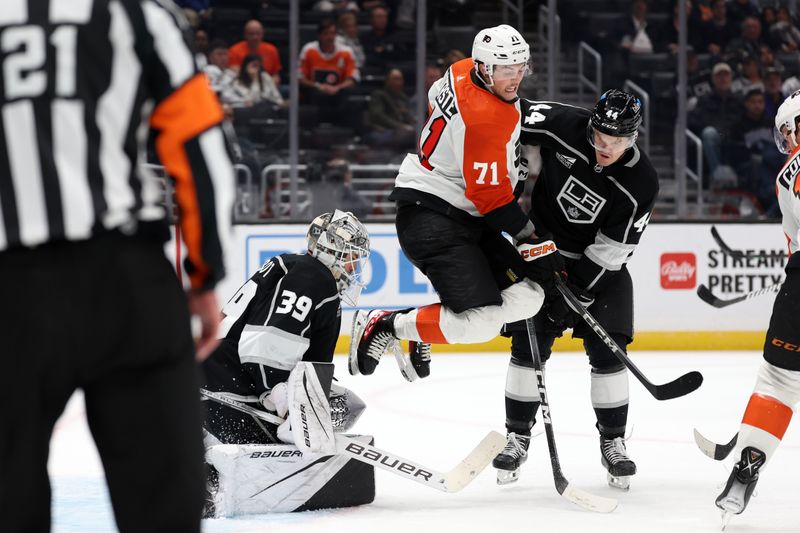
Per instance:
(769,410)
(522,384)
(609,390)
(437,324)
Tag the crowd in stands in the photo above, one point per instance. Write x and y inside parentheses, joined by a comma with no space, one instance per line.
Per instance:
(743,60)
(357,70)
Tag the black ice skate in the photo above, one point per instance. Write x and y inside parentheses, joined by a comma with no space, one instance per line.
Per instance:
(372,335)
(416,363)
(614,458)
(509,461)
(740,485)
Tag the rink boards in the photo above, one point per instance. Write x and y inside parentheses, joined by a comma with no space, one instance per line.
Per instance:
(668,265)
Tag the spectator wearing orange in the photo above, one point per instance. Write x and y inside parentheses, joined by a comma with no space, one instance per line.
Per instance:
(326,70)
(253,43)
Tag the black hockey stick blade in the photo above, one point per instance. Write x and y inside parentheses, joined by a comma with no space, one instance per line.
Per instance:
(682,386)
(674,389)
(718,452)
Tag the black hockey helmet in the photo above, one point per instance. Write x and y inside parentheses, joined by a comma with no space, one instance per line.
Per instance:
(616,113)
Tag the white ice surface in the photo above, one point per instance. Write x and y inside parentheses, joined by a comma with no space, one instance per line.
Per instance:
(438,420)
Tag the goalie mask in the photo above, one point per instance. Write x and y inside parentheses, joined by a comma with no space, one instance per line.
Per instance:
(786,122)
(341,243)
(503,52)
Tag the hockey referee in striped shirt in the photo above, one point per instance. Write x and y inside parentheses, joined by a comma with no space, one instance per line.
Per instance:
(89,299)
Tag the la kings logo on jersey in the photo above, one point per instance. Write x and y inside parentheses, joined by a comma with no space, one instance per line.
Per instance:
(579,203)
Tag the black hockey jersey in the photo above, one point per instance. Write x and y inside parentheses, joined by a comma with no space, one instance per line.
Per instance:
(596,214)
(288,311)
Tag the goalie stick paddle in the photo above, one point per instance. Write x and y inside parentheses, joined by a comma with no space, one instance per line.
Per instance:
(708,297)
(738,254)
(718,452)
(674,389)
(575,495)
(451,481)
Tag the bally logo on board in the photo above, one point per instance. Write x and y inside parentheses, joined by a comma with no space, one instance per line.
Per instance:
(678,271)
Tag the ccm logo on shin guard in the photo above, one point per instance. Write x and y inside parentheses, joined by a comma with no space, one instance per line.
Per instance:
(785,345)
(385,460)
(532,251)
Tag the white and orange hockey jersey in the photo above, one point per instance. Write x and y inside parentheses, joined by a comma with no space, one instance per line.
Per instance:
(787,188)
(469,152)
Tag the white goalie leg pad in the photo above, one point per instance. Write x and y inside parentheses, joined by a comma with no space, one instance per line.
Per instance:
(521,383)
(309,412)
(609,390)
(258,479)
(520,301)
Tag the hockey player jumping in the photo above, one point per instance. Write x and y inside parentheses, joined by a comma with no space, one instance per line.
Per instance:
(455,198)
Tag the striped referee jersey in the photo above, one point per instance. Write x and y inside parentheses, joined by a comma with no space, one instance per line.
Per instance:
(82,82)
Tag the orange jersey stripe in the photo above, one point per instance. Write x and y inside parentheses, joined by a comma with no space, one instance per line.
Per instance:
(489,128)
(182,116)
(768,414)
(428,324)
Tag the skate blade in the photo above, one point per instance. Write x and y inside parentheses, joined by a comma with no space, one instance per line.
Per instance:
(506,477)
(619,482)
(726,517)
(359,321)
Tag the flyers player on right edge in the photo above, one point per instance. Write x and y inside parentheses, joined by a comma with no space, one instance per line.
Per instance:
(777,389)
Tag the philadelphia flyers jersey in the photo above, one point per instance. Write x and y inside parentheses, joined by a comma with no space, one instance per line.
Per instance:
(596,214)
(469,154)
(787,187)
(288,311)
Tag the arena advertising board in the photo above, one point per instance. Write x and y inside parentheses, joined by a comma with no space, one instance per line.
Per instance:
(671,261)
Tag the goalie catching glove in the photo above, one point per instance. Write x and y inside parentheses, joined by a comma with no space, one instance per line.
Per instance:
(542,260)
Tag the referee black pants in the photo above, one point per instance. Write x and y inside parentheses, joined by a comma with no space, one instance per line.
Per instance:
(106,316)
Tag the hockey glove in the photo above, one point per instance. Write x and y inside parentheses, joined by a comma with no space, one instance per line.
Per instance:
(542,260)
(561,314)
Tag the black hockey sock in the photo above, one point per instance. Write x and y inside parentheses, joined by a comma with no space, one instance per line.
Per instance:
(520,416)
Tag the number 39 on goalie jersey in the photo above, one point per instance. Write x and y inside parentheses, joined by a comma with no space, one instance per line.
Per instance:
(288,311)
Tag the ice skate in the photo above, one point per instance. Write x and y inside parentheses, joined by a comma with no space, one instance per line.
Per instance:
(614,458)
(416,363)
(372,335)
(736,494)
(509,461)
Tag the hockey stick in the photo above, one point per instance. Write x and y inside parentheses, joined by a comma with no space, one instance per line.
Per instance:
(718,452)
(577,496)
(708,297)
(738,254)
(451,481)
(680,387)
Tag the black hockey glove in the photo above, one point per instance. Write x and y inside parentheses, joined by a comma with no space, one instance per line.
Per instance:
(542,260)
(561,314)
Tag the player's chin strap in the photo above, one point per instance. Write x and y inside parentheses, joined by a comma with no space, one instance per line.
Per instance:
(451,481)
